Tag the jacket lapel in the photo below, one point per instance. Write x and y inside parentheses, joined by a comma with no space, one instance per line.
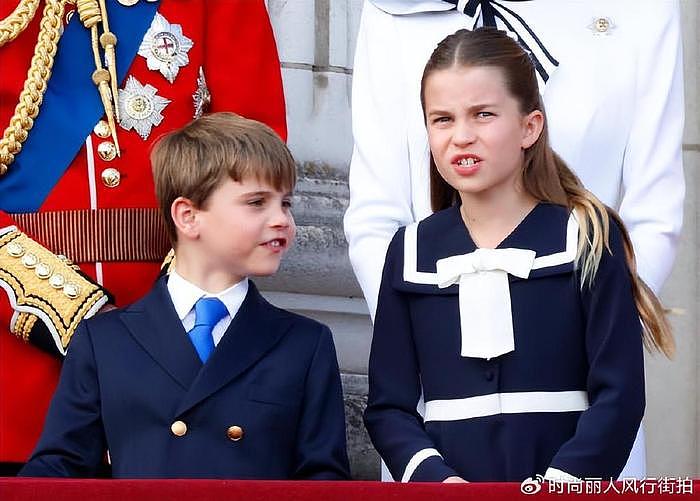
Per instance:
(154,324)
(255,330)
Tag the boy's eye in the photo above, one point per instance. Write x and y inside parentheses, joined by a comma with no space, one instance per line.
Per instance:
(287,203)
(439,120)
(256,202)
(484,114)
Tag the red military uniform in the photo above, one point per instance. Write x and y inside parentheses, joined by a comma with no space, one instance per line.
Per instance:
(101,210)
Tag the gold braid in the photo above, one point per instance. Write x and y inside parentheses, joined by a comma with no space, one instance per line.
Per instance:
(35,85)
(15,23)
(91,15)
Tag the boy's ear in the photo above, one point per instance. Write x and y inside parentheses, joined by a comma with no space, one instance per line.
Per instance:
(533,123)
(183,212)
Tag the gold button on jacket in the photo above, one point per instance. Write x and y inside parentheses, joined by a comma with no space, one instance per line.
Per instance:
(107,151)
(111,177)
(102,129)
(234,433)
(178,428)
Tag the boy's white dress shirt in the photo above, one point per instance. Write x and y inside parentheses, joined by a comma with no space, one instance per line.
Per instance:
(185,294)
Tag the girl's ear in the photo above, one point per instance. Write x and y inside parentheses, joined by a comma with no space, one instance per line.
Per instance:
(533,123)
(183,212)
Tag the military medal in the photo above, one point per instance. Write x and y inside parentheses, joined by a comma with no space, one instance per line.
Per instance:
(201,96)
(165,47)
(140,108)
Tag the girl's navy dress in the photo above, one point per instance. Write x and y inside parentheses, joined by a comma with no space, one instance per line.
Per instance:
(570,396)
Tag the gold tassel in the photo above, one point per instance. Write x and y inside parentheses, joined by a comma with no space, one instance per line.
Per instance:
(91,14)
(101,78)
(108,40)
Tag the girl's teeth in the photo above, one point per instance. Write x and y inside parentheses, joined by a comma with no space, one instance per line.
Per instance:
(275,243)
(466,162)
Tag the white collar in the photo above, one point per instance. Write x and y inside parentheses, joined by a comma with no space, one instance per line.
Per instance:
(185,294)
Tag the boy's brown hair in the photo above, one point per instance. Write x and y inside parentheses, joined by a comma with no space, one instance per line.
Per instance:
(192,161)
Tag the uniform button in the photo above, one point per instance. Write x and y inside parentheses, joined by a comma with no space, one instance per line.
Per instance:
(43,271)
(234,433)
(57,281)
(102,127)
(107,151)
(178,428)
(15,249)
(489,375)
(111,177)
(30,260)
(71,289)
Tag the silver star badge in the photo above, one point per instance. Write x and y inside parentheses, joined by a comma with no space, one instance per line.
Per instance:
(165,47)
(201,97)
(140,107)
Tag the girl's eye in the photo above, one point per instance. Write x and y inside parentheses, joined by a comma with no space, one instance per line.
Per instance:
(257,202)
(484,114)
(287,203)
(439,120)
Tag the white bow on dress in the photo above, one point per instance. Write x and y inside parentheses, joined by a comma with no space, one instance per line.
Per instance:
(486,319)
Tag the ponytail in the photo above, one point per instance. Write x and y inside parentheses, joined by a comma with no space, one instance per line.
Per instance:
(594,232)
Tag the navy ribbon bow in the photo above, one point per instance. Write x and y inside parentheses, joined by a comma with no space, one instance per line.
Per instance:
(490,12)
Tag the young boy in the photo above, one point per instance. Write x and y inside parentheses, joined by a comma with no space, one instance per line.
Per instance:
(203,377)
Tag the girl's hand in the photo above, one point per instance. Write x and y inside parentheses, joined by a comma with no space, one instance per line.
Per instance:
(454,480)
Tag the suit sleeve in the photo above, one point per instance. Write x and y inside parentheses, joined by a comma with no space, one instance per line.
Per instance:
(396,428)
(321,448)
(379,178)
(73,441)
(652,176)
(615,383)
(43,313)
(241,63)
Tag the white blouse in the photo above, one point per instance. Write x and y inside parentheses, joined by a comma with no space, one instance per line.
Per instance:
(614,105)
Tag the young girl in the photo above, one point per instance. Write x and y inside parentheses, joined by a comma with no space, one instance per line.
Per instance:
(515,308)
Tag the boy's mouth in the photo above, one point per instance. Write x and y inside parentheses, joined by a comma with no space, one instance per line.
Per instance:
(276,244)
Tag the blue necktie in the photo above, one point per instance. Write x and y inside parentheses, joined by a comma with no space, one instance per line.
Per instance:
(207,312)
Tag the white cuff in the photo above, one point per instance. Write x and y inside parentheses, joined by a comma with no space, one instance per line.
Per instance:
(554,475)
(7,229)
(415,461)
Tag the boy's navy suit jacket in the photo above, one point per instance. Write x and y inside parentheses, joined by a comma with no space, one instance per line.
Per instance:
(130,374)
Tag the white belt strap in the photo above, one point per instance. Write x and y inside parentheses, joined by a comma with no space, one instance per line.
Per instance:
(505,403)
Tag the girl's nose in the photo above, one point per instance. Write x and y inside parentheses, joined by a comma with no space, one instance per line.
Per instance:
(463,133)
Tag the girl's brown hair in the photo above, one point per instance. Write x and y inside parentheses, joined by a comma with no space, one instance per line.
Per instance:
(545,175)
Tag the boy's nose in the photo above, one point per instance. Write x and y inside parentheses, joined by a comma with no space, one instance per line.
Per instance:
(281,218)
